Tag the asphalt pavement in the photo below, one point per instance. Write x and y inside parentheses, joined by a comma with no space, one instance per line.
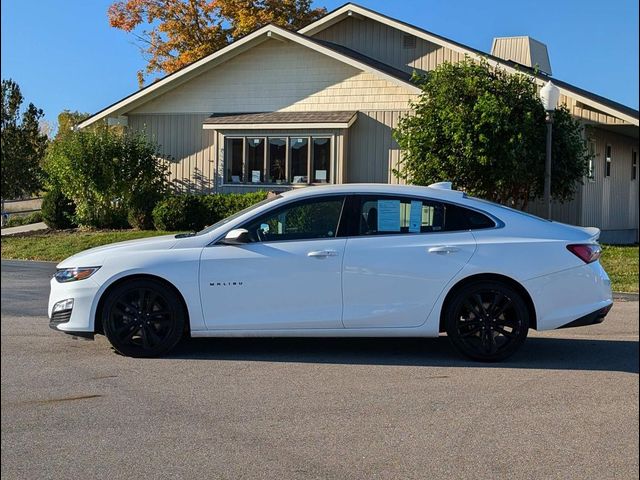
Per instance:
(566,406)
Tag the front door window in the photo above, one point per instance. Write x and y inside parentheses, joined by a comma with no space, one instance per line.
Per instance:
(303,220)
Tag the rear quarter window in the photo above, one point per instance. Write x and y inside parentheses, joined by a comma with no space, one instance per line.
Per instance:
(470,219)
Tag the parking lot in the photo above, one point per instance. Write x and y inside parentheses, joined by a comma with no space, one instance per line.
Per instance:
(566,406)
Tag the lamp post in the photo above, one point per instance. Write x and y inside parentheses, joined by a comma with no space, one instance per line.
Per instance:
(549,95)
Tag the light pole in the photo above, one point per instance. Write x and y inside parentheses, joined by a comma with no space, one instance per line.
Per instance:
(549,95)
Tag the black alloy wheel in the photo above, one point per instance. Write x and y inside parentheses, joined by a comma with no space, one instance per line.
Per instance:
(487,321)
(143,318)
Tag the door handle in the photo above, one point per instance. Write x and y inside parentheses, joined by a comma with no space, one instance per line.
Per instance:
(322,253)
(443,250)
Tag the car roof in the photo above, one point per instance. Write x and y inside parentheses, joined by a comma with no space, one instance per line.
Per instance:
(439,190)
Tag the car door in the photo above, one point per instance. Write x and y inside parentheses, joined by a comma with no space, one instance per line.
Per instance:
(287,277)
(399,256)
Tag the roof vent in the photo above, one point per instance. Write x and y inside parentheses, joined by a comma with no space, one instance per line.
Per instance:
(523,50)
(408,41)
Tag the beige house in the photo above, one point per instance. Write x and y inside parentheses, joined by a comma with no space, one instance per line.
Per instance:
(280,109)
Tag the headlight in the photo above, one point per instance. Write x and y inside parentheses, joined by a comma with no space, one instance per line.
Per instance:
(64,275)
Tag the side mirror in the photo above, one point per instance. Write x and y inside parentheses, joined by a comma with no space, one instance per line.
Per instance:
(237,236)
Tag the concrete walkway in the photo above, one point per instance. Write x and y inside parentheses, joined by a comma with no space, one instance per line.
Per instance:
(33,227)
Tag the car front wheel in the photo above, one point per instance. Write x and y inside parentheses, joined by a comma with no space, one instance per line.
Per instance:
(487,321)
(143,318)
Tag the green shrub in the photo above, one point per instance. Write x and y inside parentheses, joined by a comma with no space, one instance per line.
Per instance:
(113,177)
(57,210)
(18,220)
(194,212)
(140,213)
(180,212)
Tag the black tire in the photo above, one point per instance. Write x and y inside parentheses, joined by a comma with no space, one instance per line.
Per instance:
(487,321)
(143,318)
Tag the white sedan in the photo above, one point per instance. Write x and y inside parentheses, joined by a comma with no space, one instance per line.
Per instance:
(342,261)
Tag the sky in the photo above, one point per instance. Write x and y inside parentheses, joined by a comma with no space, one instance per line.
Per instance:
(64,54)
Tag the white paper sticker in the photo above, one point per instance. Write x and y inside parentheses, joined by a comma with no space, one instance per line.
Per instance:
(388,215)
(415,216)
(255,176)
(321,175)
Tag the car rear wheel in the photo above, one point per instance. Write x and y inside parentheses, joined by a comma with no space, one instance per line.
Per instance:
(143,318)
(487,321)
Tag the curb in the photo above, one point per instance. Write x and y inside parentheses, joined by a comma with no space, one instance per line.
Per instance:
(626,297)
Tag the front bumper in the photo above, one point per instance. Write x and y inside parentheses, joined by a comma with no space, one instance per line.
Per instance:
(79,320)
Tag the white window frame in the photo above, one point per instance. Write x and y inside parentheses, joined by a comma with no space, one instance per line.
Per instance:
(287,137)
(608,154)
(591,166)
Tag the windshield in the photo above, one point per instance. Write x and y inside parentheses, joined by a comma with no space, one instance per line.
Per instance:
(211,228)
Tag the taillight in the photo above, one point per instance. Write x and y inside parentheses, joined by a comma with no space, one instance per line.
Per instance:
(587,252)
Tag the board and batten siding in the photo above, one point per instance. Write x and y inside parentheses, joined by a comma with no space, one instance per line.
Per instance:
(372,151)
(188,149)
(387,44)
(611,203)
(277,76)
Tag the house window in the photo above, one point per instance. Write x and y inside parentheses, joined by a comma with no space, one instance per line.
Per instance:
(277,160)
(321,161)
(607,162)
(634,165)
(235,153)
(255,160)
(277,170)
(592,161)
(299,155)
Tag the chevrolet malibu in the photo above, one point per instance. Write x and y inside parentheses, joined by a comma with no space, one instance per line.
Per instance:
(341,261)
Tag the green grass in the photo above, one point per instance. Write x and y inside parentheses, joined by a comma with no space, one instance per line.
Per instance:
(56,246)
(621,263)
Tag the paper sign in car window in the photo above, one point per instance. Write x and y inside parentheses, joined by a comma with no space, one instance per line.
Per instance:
(388,215)
(415,216)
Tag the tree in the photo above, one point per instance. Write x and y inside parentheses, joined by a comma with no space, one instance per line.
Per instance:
(484,129)
(23,145)
(68,120)
(114,178)
(174,33)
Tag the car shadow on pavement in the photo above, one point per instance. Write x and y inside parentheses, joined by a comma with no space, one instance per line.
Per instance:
(537,353)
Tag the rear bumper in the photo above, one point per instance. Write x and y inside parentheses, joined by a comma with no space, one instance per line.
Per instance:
(564,297)
(589,319)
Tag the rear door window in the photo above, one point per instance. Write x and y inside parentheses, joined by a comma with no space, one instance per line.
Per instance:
(387,215)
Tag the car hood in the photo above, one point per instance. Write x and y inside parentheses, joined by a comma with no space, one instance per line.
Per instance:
(94,257)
